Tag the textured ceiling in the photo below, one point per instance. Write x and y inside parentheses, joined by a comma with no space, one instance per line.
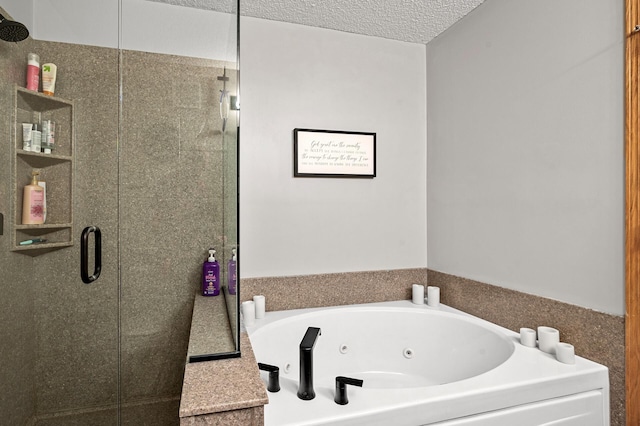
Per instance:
(416,21)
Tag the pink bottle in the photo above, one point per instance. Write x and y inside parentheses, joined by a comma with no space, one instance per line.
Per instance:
(33,72)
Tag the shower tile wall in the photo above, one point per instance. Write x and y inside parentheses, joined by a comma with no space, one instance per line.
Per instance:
(61,360)
(77,324)
(17,333)
(171,211)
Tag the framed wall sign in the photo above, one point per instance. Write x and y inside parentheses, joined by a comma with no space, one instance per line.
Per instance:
(333,153)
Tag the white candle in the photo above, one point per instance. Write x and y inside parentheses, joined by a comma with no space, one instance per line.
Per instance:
(417,294)
(433,296)
(248,312)
(565,353)
(259,301)
(548,338)
(528,337)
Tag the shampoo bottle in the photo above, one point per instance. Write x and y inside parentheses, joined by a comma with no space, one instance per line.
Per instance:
(33,72)
(33,202)
(211,275)
(49,72)
(232,277)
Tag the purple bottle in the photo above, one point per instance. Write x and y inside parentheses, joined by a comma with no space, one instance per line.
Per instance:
(211,275)
(232,277)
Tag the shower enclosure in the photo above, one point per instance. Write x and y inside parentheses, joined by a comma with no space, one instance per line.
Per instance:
(145,155)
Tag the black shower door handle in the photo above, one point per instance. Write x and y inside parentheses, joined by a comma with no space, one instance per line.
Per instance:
(84,254)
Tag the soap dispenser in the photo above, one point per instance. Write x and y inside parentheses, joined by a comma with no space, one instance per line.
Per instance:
(232,276)
(33,202)
(211,275)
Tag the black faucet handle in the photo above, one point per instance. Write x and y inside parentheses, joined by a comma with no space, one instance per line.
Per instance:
(274,376)
(341,388)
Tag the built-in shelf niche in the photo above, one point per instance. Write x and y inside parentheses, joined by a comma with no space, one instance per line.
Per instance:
(56,169)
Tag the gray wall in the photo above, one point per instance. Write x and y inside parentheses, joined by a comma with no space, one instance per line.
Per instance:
(525,149)
(296,76)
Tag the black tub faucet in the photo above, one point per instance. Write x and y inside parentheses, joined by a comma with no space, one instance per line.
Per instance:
(305,389)
(274,376)
(341,388)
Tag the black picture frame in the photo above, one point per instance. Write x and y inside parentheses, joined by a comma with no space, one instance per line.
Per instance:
(334,153)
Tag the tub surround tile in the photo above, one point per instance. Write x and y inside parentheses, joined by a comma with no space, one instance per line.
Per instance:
(310,291)
(221,387)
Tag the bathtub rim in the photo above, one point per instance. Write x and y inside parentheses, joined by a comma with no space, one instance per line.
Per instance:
(503,387)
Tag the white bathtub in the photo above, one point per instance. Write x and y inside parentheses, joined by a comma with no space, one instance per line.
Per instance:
(423,365)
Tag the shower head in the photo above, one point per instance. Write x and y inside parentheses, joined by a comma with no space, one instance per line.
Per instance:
(12,30)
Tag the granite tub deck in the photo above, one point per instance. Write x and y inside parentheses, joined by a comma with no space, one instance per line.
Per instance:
(225,392)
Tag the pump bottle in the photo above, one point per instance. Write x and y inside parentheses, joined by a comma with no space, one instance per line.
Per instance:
(211,275)
(33,202)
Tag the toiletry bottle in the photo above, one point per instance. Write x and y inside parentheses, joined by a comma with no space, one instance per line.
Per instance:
(211,275)
(33,72)
(33,202)
(48,130)
(44,139)
(26,136)
(49,72)
(232,277)
(36,138)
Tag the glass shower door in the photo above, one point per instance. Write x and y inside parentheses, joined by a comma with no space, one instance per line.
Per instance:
(59,358)
(178,67)
(142,156)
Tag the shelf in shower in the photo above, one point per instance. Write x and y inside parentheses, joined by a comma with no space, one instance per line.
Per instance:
(56,169)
